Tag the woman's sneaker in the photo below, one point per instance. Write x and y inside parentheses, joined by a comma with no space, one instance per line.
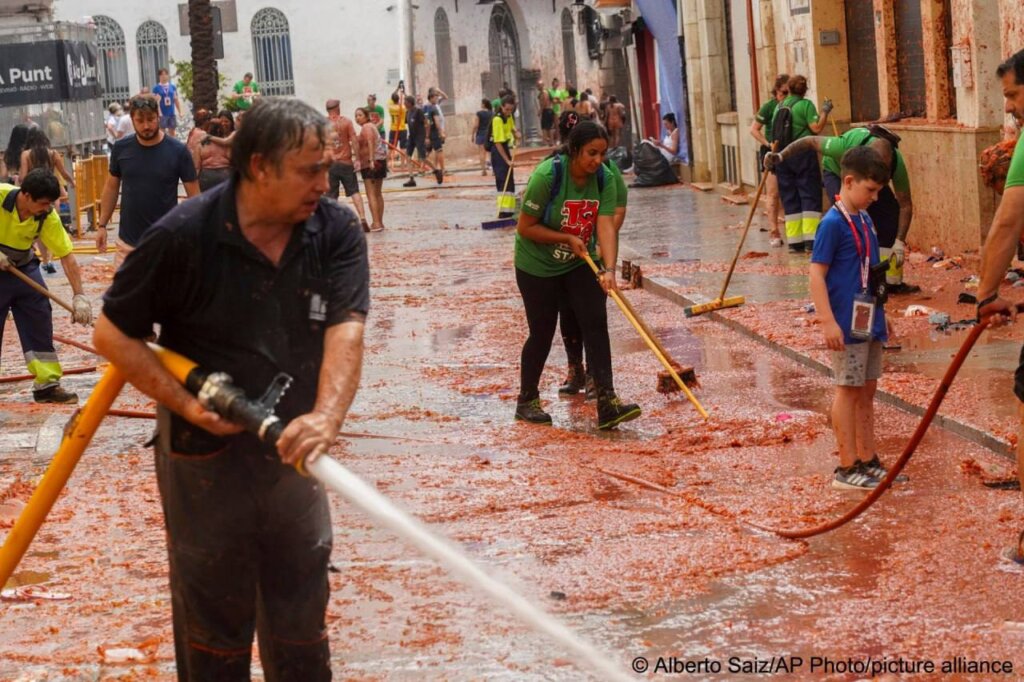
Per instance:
(875,467)
(854,477)
(530,411)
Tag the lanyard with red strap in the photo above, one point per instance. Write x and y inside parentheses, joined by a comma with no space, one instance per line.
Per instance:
(866,256)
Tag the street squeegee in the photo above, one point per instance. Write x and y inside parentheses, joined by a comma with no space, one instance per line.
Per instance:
(218,393)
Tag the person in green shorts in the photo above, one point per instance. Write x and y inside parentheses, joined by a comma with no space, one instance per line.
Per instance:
(799,175)
(761,130)
(1001,245)
(578,378)
(893,211)
(246,91)
(566,214)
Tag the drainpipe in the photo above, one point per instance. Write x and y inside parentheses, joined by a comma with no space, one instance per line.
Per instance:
(409,61)
(753,55)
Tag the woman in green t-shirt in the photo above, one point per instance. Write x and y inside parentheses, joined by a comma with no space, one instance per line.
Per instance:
(563,218)
(761,130)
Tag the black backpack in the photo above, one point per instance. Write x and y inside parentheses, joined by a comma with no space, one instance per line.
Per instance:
(489,143)
(782,126)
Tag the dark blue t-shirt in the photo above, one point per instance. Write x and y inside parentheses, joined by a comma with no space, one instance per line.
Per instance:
(149,182)
(166,93)
(835,247)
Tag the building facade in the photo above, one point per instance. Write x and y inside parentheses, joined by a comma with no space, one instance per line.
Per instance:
(313,51)
(927,67)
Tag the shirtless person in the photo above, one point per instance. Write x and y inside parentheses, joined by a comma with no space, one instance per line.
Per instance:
(547,114)
(615,119)
(342,173)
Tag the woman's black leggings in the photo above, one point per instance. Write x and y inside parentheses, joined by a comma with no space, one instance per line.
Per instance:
(541,297)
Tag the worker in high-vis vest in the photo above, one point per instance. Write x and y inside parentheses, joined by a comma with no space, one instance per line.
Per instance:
(503,137)
(26,214)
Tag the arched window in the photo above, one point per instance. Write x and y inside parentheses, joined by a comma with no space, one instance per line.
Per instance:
(113,60)
(443,42)
(568,47)
(504,49)
(272,51)
(152,44)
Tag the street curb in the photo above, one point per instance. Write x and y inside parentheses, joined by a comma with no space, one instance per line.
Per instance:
(663,289)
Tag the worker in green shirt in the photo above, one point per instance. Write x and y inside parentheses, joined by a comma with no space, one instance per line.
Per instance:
(761,130)
(799,175)
(567,213)
(503,139)
(1001,245)
(893,211)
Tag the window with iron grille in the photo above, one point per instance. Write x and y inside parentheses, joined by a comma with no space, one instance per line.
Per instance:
(272,51)
(151,39)
(113,60)
(443,43)
(568,47)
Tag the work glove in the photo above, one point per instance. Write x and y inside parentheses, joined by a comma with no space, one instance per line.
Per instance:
(899,250)
(83,309)
(5,262)
(826,106)
(771,159)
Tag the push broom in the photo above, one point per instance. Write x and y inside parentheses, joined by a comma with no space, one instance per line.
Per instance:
(648,338)
(733,301)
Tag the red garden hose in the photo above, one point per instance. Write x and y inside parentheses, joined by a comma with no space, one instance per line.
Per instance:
(922,427)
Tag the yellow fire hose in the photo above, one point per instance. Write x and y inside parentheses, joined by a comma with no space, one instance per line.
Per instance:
(633,320)
(77,436)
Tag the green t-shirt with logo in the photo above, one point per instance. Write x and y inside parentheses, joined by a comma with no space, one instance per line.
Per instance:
(833,148)
(245,94)
(765,115)
(1015,176)
(574,210)
(804,114)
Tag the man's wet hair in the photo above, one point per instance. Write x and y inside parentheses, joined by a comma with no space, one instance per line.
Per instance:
(41,184)
(780,80)
(864,163)
(273,127)
(1014,64)
(584,133)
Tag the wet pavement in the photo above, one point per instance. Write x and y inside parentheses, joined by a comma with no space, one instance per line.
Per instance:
(639,573)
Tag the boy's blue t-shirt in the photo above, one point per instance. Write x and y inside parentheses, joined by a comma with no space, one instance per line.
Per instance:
(835,247)
(166,93)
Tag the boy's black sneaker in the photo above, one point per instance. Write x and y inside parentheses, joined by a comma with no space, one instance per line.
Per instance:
(875,467)
(611,411)
(439,176)
(575,381)
(530,411)
(410,183)
(54,394)
(854,477)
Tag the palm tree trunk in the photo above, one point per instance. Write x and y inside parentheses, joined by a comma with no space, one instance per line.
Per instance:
(204,66)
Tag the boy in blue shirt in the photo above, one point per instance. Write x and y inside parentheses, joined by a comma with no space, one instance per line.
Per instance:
(852,319)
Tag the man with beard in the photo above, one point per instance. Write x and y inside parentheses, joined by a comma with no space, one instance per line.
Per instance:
(149,164)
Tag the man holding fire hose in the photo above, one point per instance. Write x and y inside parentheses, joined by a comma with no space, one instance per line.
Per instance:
(258,276)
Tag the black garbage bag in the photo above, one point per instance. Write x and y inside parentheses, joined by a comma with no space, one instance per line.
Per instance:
(651,167)
(621,156)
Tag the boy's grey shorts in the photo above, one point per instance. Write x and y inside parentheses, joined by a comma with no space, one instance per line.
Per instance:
(858,363)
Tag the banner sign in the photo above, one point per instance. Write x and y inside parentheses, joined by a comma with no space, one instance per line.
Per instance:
(48,71)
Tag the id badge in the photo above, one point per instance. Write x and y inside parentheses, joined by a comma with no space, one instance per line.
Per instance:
(167,101)
(863,316)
